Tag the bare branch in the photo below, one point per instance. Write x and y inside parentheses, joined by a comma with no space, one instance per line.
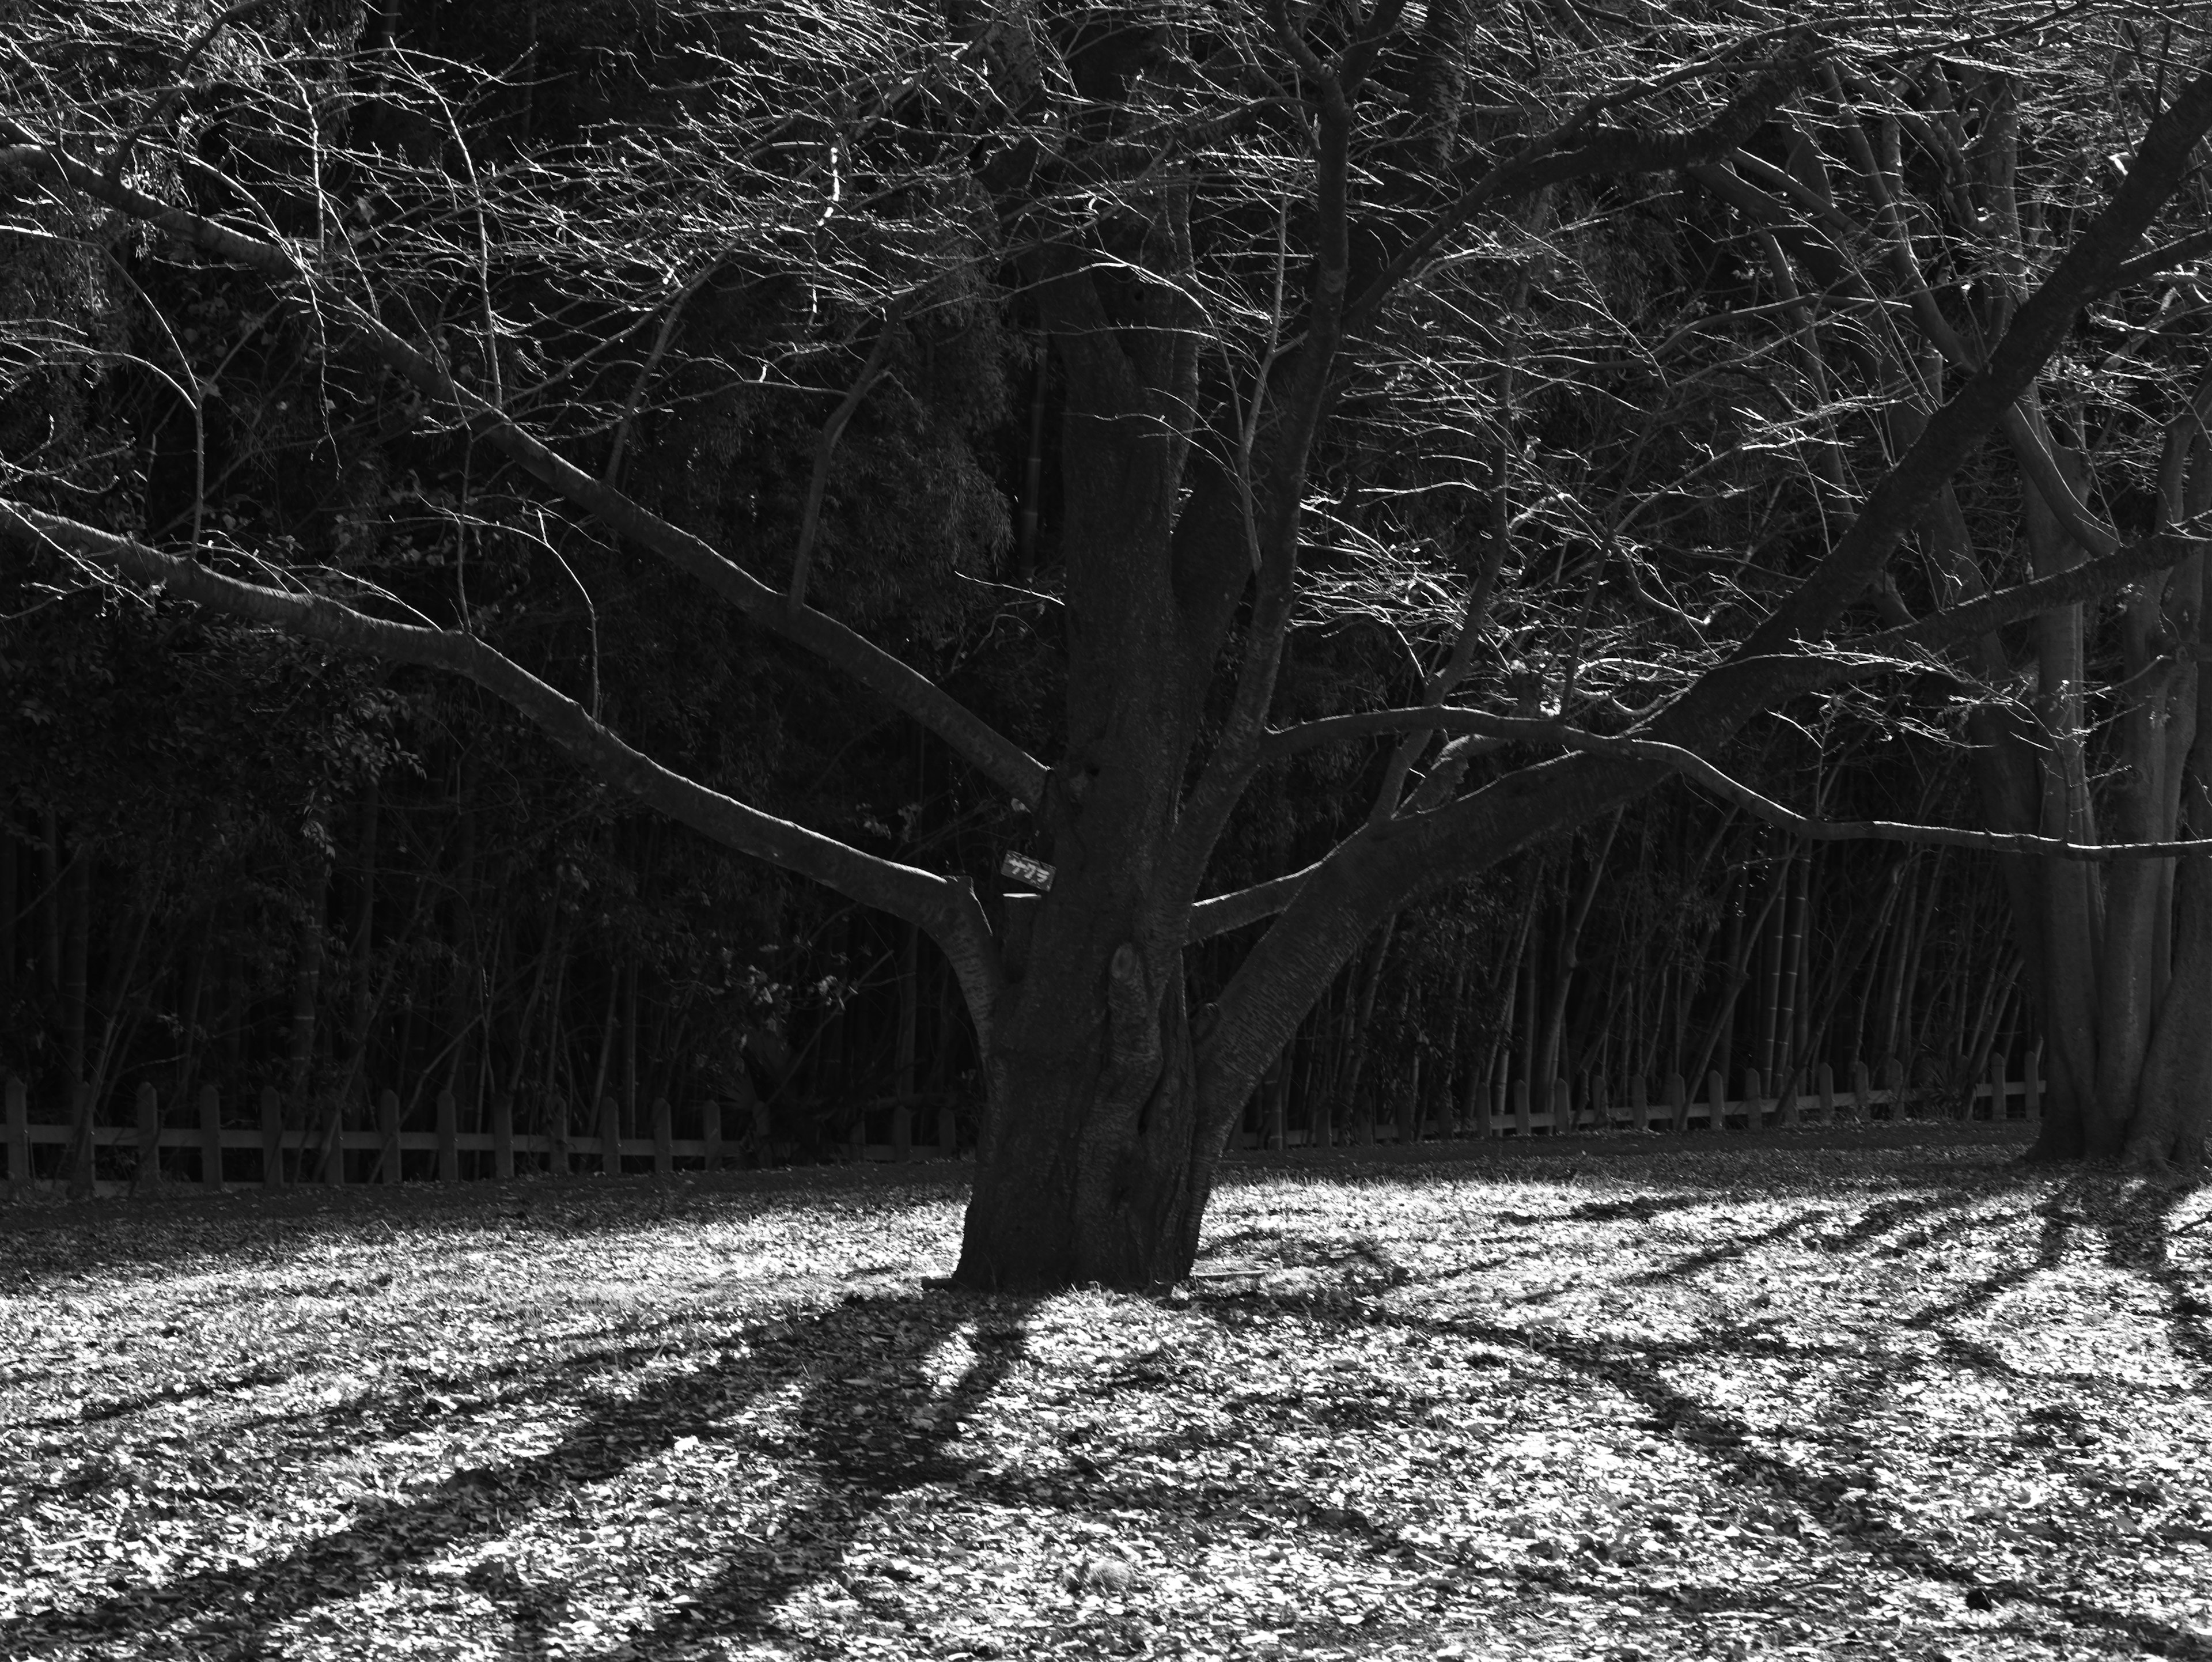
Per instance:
(905,688)
(942,906)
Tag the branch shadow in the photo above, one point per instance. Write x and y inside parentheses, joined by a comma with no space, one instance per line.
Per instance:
(201,1613)
(1825,1488)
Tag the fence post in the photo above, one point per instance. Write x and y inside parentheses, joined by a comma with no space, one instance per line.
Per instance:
(449,1131)
(19,1135)
(210,1137)
(664,1138)
(1825,1079)
(1754,1100)
(1861,1091)
(1520,1123)
(1893,1075)
(1678,1102)
(503,1136)
(387,1136)
(1717,1101)
(149,1175)
(272,1137)
(610,1137)
(710,1131)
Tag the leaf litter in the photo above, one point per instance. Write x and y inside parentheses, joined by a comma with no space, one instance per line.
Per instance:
(1871,1403)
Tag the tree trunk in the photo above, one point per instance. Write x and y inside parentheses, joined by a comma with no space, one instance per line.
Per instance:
(1091,1170)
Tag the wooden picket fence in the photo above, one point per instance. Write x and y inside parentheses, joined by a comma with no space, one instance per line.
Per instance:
(1801,1100)
(314,1153)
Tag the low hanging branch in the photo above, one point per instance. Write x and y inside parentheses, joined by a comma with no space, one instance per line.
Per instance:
(1538,731)
(943,906)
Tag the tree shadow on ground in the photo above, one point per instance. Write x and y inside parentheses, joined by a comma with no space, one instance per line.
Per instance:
(1827,1488)
(2139,1235)
(863,1441)
(1711,1257)
(1830,1484)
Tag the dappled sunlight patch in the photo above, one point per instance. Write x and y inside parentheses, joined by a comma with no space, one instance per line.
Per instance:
(1789,1405)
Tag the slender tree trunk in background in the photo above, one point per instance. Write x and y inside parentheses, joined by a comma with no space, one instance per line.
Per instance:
(630,1041)
(556,1045)
(76,886)
(1498,1064)
(1888,987)
(360,953)
(1568,958)
(1720,1030)
(1791,1054)
(464,935)
(188,1014)
(1869,952)
(607,1024)
(1800,987)
(1406,1042)
(365,910)
(306,986)
(1362,1024)
(1032,478)
(549,949)
(910,1013)
(11,888)
(1448,1056)
(1771,943)
(1908,984)
(1742,931)
(50,901)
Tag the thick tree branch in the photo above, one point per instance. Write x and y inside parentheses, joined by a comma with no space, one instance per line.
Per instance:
(906,689)
(1376,872)
(1225,912)
(1555,157)
(2023,429)
(944,907)
(1531,730)
(1726,697)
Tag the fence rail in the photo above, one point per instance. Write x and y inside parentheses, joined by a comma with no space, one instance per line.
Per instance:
(315,1151)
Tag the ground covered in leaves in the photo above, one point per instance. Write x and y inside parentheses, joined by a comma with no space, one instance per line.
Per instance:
(1739,1403)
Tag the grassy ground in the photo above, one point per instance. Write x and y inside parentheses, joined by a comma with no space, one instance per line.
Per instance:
(1748,1401)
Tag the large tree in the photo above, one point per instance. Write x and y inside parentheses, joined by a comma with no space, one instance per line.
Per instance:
(1311,278)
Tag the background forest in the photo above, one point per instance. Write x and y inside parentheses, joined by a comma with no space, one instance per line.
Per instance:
(228,857)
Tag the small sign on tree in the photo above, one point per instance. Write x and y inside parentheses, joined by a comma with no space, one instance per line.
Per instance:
(1021,868)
